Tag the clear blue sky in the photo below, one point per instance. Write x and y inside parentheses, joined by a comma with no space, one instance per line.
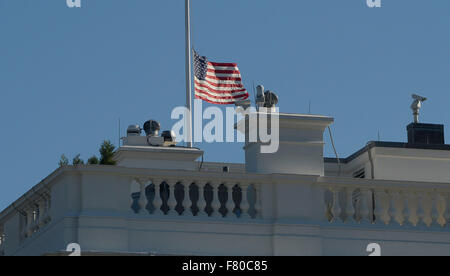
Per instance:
(67,75)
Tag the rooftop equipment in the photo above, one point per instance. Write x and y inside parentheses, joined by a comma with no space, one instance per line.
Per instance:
(152,128)
(134,130)
(267,99)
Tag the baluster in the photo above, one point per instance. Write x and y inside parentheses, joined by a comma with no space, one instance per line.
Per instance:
(245,206)
(403,212)
(158,200)
(47,209)
(328,214)
(350,209)
(441,206)
(187,202)
(172,201)
(399,207)
(29,227)
(365,206)
(133,184)
(2,242)
(388,208)
(142,197)
(392,206)
(24,226)
(215,203)
(49,206)
(434,202)
(46,215)
(201,204)
(230,202)
(23,233)
(336,207)
(420,204)
(406,211)
(257,189)
(379,207)
(34,217)
(412,205)
(447,204)
(41,208)
(427,202)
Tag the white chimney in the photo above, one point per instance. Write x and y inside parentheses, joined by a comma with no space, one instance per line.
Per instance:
(300,145)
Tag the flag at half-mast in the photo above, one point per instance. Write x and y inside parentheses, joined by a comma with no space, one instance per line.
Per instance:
(217,83)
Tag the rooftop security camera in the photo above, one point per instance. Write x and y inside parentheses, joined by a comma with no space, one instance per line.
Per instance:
(418,98)
(416,106)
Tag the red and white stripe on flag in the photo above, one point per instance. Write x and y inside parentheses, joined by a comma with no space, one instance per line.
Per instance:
(221,85)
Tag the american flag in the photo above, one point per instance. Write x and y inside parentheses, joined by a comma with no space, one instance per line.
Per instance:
(217,83)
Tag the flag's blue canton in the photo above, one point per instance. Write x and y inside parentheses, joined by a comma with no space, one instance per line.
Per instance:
(200,66)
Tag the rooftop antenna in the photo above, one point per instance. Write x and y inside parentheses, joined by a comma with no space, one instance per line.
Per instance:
(188,122)
(119,133)
(416,106)
(260,97)
(254,93)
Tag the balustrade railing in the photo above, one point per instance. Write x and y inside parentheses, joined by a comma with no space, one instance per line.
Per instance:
(388,205)
(2,242)
(192,197)
(35,215)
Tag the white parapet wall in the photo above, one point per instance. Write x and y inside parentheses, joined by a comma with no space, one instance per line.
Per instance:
(119,210)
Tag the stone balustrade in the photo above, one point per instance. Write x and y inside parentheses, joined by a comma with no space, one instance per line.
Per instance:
(2,241)
(188,197)
(35,214)
(388,204)
(154,199)
(357,201)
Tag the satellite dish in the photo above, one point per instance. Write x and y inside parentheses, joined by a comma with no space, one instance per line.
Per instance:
(152,128)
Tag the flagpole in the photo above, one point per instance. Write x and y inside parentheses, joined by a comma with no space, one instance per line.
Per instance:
(188,118)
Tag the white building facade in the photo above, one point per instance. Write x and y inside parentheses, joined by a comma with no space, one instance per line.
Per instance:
(163,201)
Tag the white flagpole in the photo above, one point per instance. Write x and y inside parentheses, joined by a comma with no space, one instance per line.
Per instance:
(188,118)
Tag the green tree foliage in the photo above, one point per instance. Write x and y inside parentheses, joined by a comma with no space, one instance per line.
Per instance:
(107,153)
(93,160)
(107,150)
(63,161)
(77,160)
